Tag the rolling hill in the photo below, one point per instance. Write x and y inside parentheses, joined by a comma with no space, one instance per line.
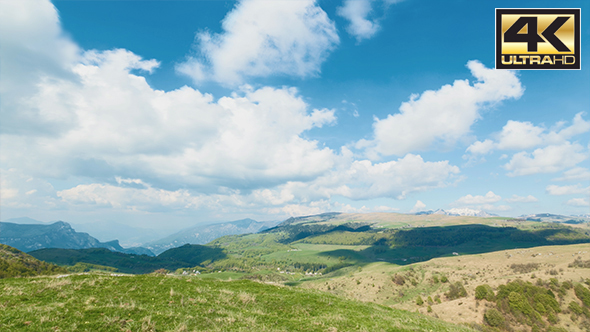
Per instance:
(172,259)
(98,302)
(15,263)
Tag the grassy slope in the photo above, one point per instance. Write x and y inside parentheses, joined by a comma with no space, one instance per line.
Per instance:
(373,282)
(155,303)
(14,263)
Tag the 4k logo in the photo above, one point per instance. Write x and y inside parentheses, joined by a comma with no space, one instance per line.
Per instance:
(537,38)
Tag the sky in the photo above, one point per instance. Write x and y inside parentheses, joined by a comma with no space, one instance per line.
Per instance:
(165,114)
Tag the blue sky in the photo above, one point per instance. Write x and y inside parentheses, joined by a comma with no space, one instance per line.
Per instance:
(163,114)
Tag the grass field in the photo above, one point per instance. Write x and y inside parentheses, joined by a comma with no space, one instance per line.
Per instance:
(96,302)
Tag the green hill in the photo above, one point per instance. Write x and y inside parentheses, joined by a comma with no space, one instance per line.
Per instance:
(329,242)
(15,263)
(185,256)
(154,303)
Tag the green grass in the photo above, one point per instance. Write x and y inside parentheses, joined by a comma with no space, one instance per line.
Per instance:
(15,263)
(98,302)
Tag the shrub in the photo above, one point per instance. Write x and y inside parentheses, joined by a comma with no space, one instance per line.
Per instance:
(444,279)
(540,308)
(494,318)
(524,268)
(575,308)
(519,304)
(578,262)
(419,301)
(583,294)
(456,291)
(398,279)
(429,300)
(484,292)
(429,309)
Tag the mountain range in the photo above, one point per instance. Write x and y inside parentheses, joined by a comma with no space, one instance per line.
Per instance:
(466,212)
(557,218)
(202,234)
(29,237)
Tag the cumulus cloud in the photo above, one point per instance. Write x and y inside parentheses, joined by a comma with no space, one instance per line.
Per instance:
(518,135)
(362,179)
(395,179)
(550,159)
(33,48)
(575,174)
(111,196)
(447,113)
(356,12)
(567,190)
(488,198)
(481,148)
(263,38)
(419,206)
(578,202)
(521,199)
(129,146)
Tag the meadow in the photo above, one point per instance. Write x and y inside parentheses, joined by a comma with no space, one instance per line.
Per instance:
(103,302)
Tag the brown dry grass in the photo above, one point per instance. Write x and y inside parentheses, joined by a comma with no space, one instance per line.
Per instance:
(373,283)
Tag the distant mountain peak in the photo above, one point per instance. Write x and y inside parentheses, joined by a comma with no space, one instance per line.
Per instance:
(205,233)
(465,212)
(60,234)
(557,218)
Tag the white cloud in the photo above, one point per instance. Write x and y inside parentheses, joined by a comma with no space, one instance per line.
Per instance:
(356,12)
(263,38)
(144,199)
(575,174)
(395,179)
(489,198)
(441,117)
(517,135)
(481,148)
(419,206)
(33,47)
(578,202)
(567,190)
(131,147)
(19,191)
(116,124)
(550,159)
(521,199)
(362,179)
